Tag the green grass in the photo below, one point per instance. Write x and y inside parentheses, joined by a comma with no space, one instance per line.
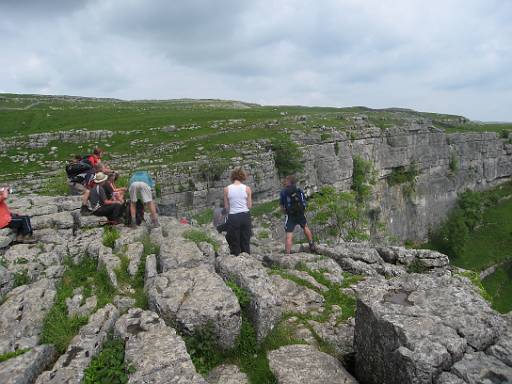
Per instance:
(499,287)
(58,328)
(110,235)
(108,366)
(204,217)
(21,278)
(198,236)
(266,208)
(10,355)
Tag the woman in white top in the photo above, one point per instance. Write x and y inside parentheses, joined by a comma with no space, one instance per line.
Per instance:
(238,202)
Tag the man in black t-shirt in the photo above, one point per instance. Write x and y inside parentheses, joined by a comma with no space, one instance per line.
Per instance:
(101,205)
(293,203)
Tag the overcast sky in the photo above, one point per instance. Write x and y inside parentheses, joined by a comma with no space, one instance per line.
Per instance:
(452,56)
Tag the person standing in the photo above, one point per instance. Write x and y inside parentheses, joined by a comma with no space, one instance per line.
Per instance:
(293,204)
(141,184)
(238,202)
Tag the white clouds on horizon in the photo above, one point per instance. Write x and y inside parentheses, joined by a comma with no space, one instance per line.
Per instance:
(451,56)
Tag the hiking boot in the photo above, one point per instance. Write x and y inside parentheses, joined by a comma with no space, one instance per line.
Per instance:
(155,224)
(312,247)
(85,211)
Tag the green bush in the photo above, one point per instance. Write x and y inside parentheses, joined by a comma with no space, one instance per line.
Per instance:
(266,208)
(404,175)
(108,366)
(287,157)
(363,178)
(204,217)
(203,348)
(454,163)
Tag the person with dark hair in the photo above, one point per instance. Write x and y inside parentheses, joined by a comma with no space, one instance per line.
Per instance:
(99,203)
(293,204)
(20,224)
(238,202)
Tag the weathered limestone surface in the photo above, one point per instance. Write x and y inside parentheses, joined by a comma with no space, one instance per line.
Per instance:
(194,298)
(22,314)
(297,364)
(248,273)
(295,297)
(24,369)
(411,329)
(227,374)
(156,352)
(70,367)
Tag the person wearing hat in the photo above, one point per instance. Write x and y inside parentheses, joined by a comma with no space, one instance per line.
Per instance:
(100,205)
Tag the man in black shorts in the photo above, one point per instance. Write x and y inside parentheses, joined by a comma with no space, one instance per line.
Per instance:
(293,204)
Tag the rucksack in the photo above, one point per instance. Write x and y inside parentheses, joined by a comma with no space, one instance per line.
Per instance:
(295,202)
(74,169)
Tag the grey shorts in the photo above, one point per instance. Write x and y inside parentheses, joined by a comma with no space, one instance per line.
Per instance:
(142,188)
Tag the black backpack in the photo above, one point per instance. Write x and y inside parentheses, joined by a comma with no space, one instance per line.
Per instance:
(74,169)
(295,202)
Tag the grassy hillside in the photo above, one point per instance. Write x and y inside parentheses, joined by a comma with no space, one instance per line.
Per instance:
(172,131)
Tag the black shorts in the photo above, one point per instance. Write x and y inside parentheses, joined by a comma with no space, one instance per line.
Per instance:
(291,222)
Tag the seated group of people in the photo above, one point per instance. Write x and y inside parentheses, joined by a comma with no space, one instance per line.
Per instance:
(89,176)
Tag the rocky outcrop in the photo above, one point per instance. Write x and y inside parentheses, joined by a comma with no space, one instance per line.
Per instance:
(297,364)
(24,369)
(265,307)
(195,298)
(156,352)
(70,367)
(413,328)
(22,315)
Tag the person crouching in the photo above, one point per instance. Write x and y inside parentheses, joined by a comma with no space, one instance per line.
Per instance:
(99,203)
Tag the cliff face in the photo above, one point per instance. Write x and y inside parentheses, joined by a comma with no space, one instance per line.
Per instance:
(446,164)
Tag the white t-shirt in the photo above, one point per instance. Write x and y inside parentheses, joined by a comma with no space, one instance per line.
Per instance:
(237,196)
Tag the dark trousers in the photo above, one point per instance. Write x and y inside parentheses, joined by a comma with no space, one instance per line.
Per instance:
(21,224)
(113,212)
(238,236)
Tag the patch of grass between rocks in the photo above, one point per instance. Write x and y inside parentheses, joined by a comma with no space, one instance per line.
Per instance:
(198,236)
(10,355)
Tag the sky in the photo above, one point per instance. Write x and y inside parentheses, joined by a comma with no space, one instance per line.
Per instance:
(446,56)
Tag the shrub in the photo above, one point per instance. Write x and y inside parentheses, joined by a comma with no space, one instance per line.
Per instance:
(363,178)
(204,217)
(339,214)
(402,175)
(336,148)
(454,163)
(21,278)
(287,157)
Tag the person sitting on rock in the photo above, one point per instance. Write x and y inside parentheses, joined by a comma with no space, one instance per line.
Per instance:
(95,160)
(18,223)
(100,205)
(114,193)
(238,202)
(141,184)
(293,204)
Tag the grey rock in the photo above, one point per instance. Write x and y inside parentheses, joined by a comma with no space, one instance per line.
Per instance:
(296,298)
(176,252)
(502,350)
(297,364)
(410,329)
(265,307)
(61,220)
(338,336)
(424,257)
(156,352)
(6,280)
(22,314)
(449,378)
(150,272)
(194,297)
(478,367)
(129,235)
(24,369)
(70,367)
(78,305)
(134,254)
(227,374)
(109,261)
(123,303)
(7,239)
